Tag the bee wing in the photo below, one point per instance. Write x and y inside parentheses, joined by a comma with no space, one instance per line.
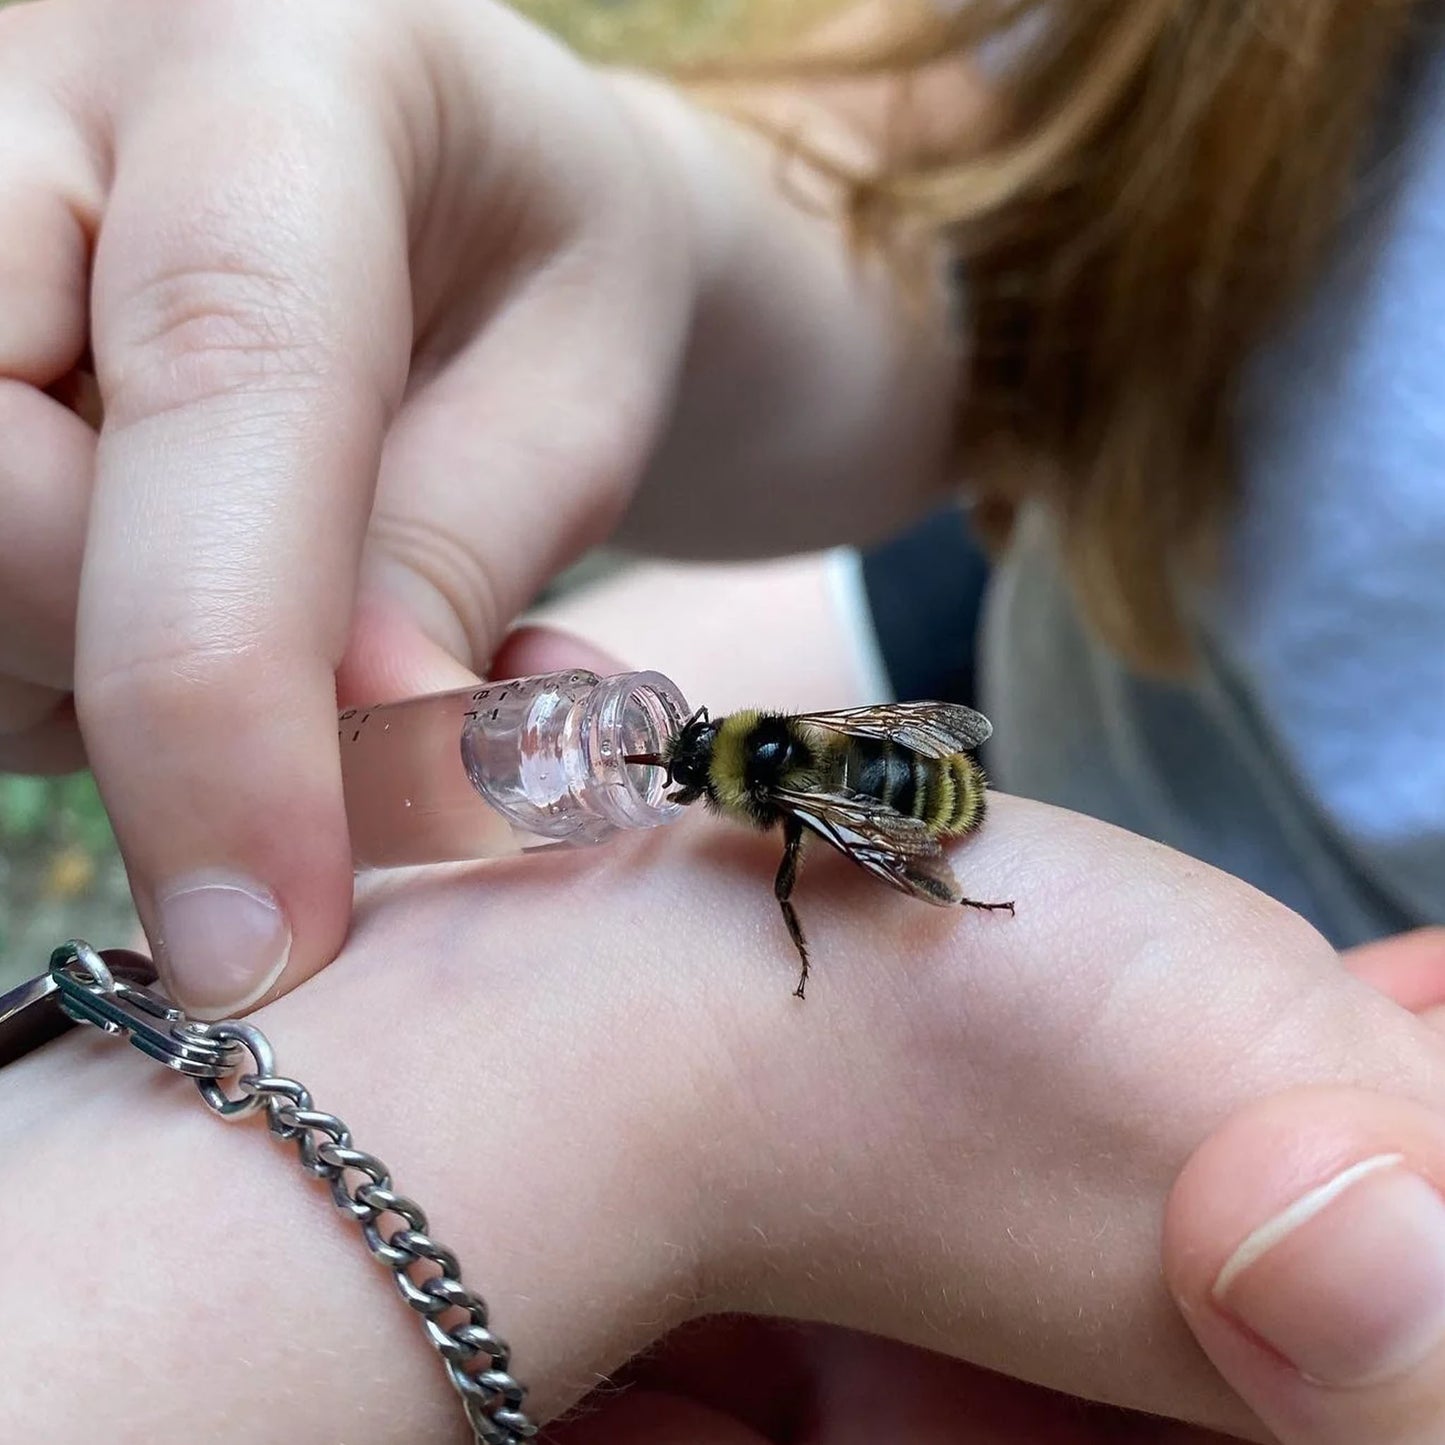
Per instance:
(932,729)
(896,849)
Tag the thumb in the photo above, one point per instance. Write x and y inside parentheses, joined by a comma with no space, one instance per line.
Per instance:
(1305,1245)
(515,459)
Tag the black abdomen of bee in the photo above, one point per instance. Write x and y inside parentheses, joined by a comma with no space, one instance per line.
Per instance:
(877,769)
(946,794)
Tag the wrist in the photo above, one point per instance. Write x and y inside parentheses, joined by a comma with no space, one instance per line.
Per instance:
(489,1095)
(527,1074)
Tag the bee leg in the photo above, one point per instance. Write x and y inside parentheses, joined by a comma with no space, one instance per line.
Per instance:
(987,907)
(783,892)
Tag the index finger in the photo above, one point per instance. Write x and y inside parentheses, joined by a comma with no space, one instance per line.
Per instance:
(252,327)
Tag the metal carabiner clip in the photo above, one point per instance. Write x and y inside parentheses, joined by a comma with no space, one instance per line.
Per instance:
(110,993)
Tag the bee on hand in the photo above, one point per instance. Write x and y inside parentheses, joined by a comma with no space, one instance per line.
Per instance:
(884,785)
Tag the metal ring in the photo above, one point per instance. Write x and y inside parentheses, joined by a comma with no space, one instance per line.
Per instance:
(263,1056)
(79,955)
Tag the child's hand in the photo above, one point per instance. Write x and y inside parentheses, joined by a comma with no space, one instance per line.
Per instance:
(1321,1210)
(305,245)
(301,243)
(733,1382)
(964,1140)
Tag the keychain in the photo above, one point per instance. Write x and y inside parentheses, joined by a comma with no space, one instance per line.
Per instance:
(510,767)
(113,991)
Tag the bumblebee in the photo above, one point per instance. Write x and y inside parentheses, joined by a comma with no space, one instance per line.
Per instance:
(883,785)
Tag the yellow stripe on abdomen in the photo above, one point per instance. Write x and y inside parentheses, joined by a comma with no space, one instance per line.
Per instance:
(942,791)
(967,802)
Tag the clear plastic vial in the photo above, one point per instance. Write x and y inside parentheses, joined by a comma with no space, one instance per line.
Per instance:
(485,772)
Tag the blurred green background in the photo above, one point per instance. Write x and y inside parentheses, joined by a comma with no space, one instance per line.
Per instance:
(60,874)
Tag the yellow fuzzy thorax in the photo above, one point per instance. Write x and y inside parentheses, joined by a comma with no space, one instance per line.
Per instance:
(727,773)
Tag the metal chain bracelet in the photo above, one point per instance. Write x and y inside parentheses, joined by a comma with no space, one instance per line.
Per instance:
(85,988)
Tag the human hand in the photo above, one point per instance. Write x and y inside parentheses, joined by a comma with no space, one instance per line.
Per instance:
(1306,1244)
(964,1141)
(385,304)
(751,1381)
(393,309)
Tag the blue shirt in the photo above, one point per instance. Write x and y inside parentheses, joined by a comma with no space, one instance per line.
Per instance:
(1308,756)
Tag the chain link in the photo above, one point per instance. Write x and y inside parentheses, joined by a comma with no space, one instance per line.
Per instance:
(427,1275)
(82,986)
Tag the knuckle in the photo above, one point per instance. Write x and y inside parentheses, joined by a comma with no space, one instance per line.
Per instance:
(189,27)
(182,680)
(22,26)
(196,334)
(325,43)
(17,28)
(457,572)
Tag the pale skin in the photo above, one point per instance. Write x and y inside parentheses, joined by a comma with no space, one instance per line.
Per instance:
(620,1118)
(1265,1157)
(393,310)
(333,336)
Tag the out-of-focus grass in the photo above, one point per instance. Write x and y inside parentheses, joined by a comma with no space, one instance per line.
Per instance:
(657,30)
(60,873)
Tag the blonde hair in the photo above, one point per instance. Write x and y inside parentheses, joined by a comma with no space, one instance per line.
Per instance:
(1161,180)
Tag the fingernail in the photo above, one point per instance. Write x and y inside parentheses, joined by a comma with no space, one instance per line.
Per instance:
(1348,1283)
(223,943)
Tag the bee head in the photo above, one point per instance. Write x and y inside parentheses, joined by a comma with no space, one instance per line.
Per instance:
(688,755)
